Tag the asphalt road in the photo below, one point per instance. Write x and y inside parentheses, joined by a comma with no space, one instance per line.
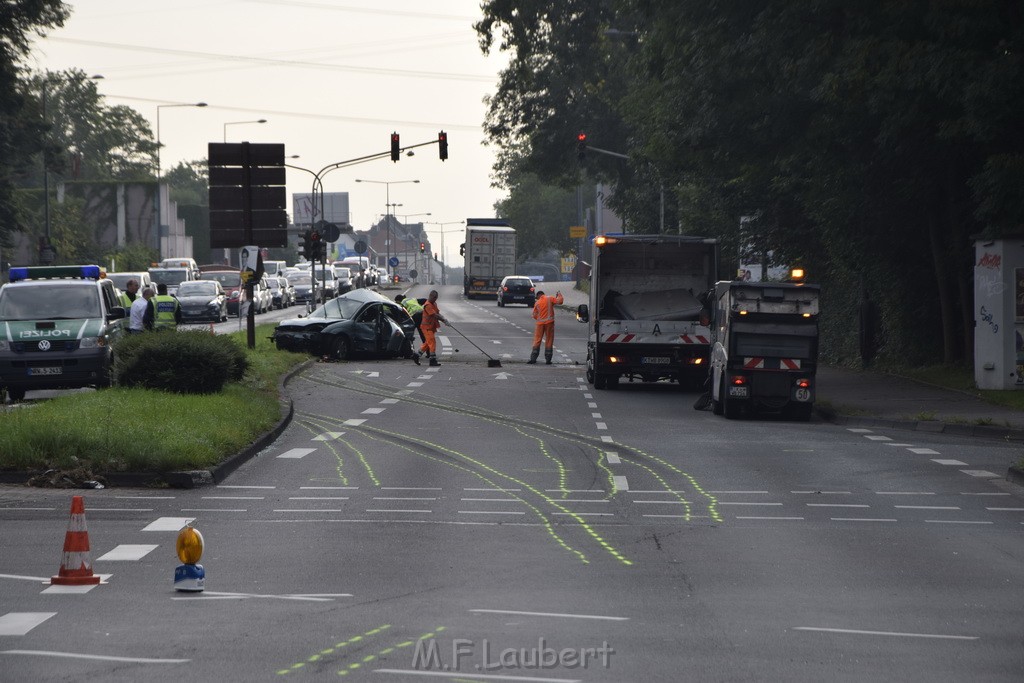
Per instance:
(511,523)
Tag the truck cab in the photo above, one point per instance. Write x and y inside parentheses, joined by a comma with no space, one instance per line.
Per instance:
(764,351)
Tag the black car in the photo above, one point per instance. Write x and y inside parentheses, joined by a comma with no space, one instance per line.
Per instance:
(516,289)
(202,300)
(358,322)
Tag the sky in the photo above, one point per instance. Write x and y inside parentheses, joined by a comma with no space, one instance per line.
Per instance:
(332,78)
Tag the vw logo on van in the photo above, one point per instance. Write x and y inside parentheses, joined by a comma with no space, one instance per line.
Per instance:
(44,345)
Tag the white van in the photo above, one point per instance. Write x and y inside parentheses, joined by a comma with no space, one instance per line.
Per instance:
(274,268)
(182,262)
(362,276)
(120,280)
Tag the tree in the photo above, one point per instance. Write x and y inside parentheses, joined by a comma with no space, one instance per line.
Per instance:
(20,126)
(188,183)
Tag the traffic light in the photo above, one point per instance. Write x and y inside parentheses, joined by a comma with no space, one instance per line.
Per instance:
(435,255)
(315,245)
(307,246)
(423,247)
(442,145)
(396,148)
(581,146)
(462,249)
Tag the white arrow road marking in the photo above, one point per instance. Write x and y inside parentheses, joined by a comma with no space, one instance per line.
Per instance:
(501,375)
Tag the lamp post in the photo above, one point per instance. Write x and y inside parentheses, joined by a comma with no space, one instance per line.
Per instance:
(159,168)
(48,255)
(238,123)
(444,256)
(405,217)
(387,199)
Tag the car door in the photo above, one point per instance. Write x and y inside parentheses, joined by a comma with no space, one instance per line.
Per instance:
(365,328)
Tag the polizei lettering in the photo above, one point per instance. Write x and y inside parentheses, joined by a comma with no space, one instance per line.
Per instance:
(39,334)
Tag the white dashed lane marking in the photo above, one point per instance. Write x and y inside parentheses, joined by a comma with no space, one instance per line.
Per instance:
(328,436)
(946,461)
(297,453)
(127,553)
(20,623)
(168,524)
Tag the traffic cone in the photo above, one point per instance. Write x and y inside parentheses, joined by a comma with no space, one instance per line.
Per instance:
(75,565)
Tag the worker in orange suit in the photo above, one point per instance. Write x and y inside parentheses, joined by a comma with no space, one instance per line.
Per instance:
(432,320)
(544,314)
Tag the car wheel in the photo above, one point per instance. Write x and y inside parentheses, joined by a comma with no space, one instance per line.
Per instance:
(341,348)
(16,393)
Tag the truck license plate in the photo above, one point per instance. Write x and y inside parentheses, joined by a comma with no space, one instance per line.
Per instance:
(656,360)
(738,391)
(52,370)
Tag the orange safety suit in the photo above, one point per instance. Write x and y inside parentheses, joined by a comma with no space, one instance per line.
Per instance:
(544,314)
(431,322)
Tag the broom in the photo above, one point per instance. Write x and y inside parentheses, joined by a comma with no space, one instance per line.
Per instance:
(491,362)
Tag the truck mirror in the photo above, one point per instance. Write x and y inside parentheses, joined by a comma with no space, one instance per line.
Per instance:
(583,313)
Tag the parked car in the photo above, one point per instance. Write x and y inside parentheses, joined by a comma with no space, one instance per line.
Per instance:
(325,279)
(359,322)
(202,300)
(262,296)
(231,281)
(282,292)
(516,289)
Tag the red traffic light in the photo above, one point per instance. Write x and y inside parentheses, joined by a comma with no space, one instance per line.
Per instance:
(396,148)
(423,247)
(581,145)
(582,137)
(314,236)
(442,145)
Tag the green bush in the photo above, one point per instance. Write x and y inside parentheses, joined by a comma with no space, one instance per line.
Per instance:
(193,362)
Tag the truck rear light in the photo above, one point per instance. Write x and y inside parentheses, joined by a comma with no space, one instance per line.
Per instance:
(803,383)
(695,361)
(739,381)
(614,359)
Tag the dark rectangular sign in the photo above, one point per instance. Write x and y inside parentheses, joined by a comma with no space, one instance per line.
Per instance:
(235,176)
(261,198)
(233,239)
(261,220)
(231,154)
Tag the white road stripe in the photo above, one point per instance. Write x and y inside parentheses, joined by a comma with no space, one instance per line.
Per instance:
(923,451)
(482,677)
(389,401)
(308,510)
(663,502)
(390,510)
(69,590)
(37,579)
(602,425)
(317,497)
(835,505)
(948,462)
(733,492)
(560,615)
(328,488)
(169,523)
(859,519)
(954,521)
(499,489)
(491,512)
(241,486)
(786,518)
(145,497)
(620,483)
(734,503)
(297,453)
(414,488)
(679,516)
(926,507)
(860,632)
(414,384)
(327,436)
(905,493)
(613,458)
(127,553)
(591,405)
(399,498)
(876,437)
(234,497)
(490,500)
(596,416)
(981,473)
(1006,509)
(962,493)
(373,411)
(92,509)
(214,510)
(101,658)
(899,445)
(353,422)
(824,493)
(585,514)
(20,623)
(858,430)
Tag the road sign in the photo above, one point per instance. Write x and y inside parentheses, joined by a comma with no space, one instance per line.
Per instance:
(393,261)
(330,232)
(577,231)
(247,195)
(413,273)
(359,247)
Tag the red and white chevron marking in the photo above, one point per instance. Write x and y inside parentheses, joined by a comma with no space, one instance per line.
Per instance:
(619,338)
(694,339)
(756,363)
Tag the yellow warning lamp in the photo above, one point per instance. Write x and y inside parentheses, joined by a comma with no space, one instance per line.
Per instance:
(797,275)
(189,545)
(600,240)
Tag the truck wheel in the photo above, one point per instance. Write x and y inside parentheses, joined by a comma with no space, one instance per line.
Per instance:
(716,406)
(613,382)
(600,382)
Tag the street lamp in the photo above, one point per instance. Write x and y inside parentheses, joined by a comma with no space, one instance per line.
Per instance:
(48,255)
(444,256)
(387,199)
(238,123)
(159,169)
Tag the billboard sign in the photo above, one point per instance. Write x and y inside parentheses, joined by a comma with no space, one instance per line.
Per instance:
(335,207)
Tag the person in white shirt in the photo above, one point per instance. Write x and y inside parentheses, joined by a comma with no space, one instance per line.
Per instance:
(140,317)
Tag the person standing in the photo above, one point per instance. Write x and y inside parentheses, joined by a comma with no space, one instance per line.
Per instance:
(544,330)
(130,294)
(140,316)
(167,309)
(432,320)
(415,309)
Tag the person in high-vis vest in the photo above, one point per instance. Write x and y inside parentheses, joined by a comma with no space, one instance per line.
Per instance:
(415,309)
(432,320)
(167,310)
(544,330)
(130,293)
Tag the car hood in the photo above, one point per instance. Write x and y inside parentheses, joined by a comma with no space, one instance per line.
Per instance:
(196,300)
(300,324)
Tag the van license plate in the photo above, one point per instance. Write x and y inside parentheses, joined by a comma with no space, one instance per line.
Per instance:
(655,360)
(53,370)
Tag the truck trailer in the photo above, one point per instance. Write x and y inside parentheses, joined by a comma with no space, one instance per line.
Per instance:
(648,312)
(490,253)
(764,348)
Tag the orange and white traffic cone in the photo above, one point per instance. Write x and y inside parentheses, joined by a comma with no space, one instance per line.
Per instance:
(75,565)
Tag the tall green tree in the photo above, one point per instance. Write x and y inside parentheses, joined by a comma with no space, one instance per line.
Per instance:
(21,128)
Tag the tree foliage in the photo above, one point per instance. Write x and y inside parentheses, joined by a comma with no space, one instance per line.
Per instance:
(868,141)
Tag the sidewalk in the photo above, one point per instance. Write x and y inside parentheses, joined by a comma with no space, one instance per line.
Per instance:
(874,399)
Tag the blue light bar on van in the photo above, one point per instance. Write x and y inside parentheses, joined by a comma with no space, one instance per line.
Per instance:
(48,272)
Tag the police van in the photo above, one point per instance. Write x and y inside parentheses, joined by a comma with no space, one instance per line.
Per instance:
(57,325)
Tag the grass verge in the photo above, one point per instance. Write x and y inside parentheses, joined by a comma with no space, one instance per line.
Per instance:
(140,430)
